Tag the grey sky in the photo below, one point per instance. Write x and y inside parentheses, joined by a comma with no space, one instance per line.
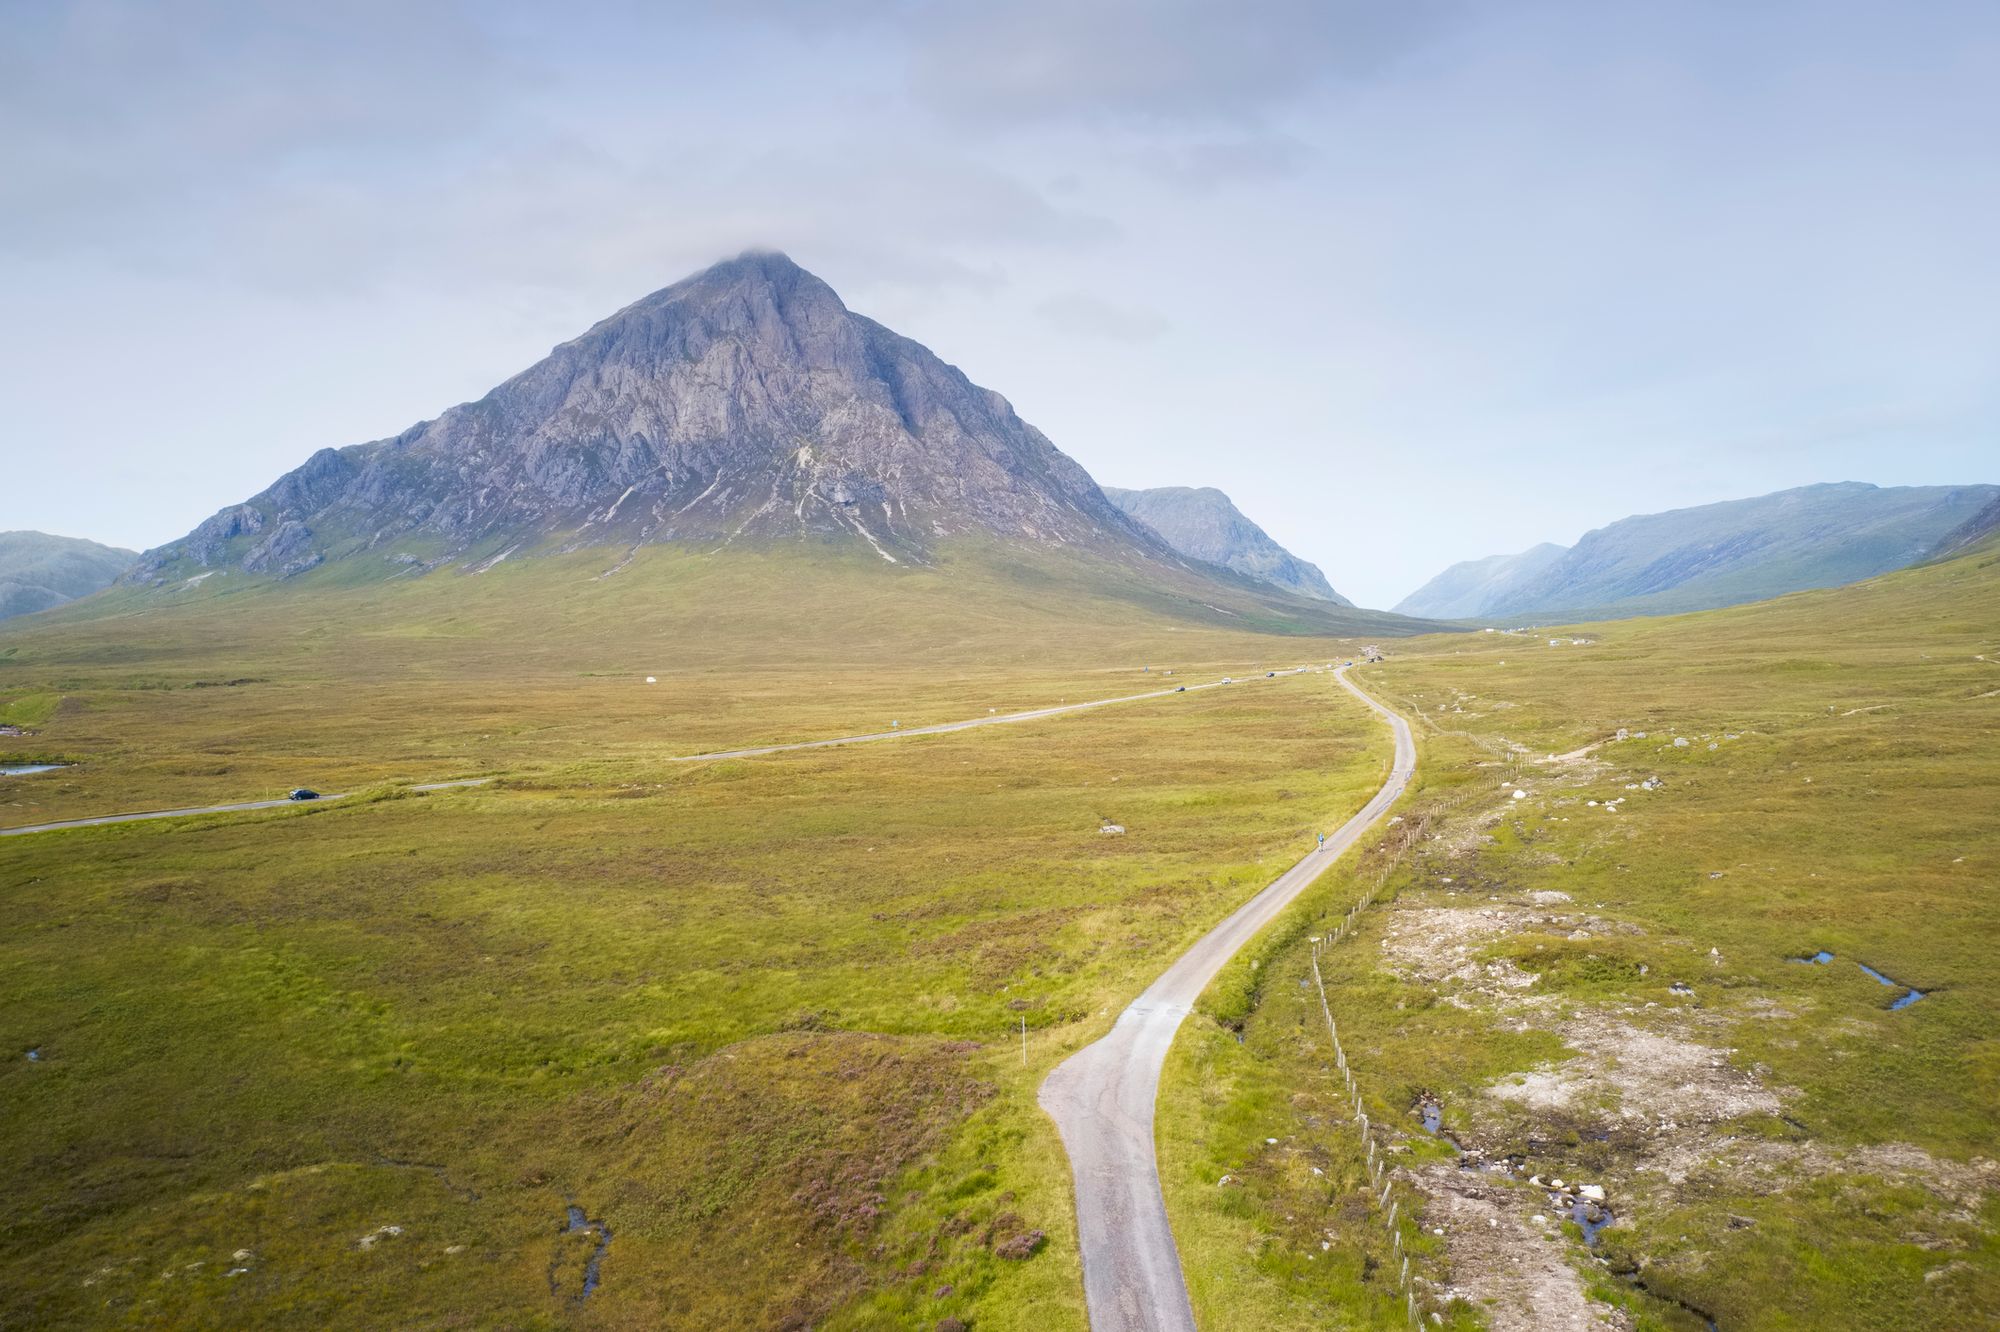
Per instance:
(1413,282)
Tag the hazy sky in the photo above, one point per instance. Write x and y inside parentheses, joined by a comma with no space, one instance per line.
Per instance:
(1412,280)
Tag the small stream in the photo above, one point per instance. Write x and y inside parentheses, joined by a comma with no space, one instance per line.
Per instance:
(577,1223)
(1910,992)
(1910,997)
(23,769)
(1590,1217)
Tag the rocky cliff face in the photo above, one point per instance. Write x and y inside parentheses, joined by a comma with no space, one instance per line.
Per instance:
(1204,524)
(38,571)
(1725,554)
(746,402)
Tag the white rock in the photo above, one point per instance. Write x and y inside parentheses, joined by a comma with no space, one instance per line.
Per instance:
(1520,795)
(1591,1192)
(651,680)
(1113,830)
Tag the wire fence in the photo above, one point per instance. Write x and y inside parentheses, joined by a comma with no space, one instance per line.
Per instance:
(1383,1185)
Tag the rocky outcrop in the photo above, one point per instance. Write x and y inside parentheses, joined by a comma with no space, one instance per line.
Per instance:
(746,402)
(1205,525)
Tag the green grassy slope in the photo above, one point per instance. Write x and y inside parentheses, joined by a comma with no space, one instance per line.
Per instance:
(1781,1148)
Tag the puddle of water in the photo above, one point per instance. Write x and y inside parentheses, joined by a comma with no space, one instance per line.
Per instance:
(1433,1117)
(1911,997)
(1821,958)
(35,1055)
(22,770)
(1580,1212)
(577,1221)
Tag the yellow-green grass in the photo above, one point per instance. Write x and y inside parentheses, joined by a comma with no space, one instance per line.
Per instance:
(240,690)
(1851,803)
(763,1018)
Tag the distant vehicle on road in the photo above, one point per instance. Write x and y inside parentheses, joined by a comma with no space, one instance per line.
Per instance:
(1227,680)
(303,793)
(1270,675)
(1180,689)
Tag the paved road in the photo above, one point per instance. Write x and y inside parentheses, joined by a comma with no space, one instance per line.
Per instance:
(1000,720)
(1102,1096)
(211,809)
(939,729)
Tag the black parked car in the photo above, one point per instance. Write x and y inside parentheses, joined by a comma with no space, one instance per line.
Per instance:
(303,793)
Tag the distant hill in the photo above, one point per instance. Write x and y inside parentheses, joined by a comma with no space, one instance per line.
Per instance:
(1466,590)
(1203,523)
(38,571)
(1713,555)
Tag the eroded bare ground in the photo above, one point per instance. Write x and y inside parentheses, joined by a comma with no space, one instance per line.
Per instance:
(1506,1257)
(1648,1100)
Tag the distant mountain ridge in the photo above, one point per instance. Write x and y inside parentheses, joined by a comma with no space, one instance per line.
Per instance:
(1468,589)
(39,571)
(746,401)
(1711,555)
(1205,524)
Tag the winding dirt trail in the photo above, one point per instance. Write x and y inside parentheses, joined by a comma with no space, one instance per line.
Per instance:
(1101,1098)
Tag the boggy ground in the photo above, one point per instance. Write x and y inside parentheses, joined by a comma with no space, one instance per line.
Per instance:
(759,1023)
(1596,983)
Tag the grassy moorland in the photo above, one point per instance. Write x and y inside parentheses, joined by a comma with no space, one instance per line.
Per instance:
(1599,981)
(351,1066)
(224,692)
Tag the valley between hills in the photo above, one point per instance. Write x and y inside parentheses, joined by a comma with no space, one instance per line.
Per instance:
(1606,1023)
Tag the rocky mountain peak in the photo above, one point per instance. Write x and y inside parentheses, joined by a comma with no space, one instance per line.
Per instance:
(745,402)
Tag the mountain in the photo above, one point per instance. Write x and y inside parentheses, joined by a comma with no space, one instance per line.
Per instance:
(38,571)
(1204,524)
(743,407)
(746,401)
(1466,590)
(1712,555)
